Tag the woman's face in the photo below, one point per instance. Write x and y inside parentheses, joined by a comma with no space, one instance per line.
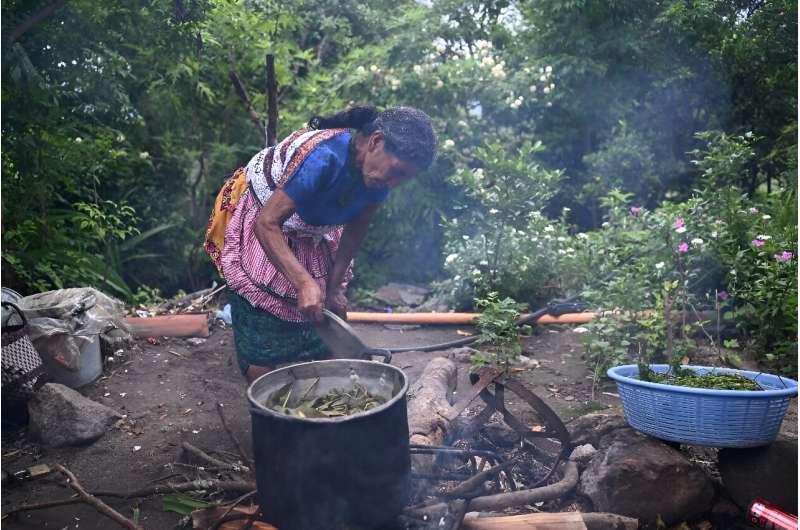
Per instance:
(382,169)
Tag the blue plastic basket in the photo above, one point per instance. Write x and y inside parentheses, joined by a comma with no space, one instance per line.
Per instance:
(699,416)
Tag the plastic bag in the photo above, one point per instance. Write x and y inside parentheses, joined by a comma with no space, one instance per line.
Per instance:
(62,322)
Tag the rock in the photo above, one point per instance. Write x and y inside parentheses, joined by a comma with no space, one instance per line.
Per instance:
(582,454)
(462,355)
(768,473)
(401,294)
(526,362)
(434,304)
(600,430)
(643,478)
(60,416)
(196,341)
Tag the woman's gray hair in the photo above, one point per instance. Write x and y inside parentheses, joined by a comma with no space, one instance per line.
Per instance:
(407,132)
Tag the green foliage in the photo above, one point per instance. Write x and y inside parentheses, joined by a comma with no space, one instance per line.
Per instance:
(498,329)
(120,123)
(500,241)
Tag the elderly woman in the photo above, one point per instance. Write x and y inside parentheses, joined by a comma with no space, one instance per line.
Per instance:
(285,228)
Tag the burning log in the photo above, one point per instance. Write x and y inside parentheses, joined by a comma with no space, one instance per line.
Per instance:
(428,406)
(518,498)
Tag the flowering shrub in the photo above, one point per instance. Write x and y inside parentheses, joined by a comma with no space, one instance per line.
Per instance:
(718,251)
(500,241)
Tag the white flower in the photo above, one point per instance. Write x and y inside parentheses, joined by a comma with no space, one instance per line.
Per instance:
(549,104)
(498,72)
(582,235)
(448,144)
(660,265)
(144,155)
(374,69)
(548,69)
(439,83)
(561,238)
(580,329)
(487,61)
(697,241)
(552,86)
(605,224)
(450,258)
(570,250)
(764,237)
(478,173)
(546,90)
(561,251)
(395,83)
(121,138)
(549,228)
(476,272)
(541,70)
(765,217)
(361,70)
(714,234)
(78,139)
(61,64)
(680,229)
(494,211)
(543,78)
(748,134)
(532,88)
(417,69)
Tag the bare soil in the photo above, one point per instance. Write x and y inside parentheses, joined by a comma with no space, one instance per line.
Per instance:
(169,390)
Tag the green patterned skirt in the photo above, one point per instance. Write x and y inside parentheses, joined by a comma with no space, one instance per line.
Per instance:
(263,339)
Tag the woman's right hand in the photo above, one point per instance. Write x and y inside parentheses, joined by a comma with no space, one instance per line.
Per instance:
(310,300)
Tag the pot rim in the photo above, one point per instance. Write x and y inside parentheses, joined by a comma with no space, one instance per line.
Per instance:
(620,375)
(258,408)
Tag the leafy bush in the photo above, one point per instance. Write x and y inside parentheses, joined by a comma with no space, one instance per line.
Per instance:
(717,251)
(501,242)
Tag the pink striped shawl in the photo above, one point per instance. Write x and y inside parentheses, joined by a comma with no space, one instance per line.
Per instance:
(248,270)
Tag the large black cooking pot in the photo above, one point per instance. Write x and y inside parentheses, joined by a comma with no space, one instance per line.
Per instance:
(315,473)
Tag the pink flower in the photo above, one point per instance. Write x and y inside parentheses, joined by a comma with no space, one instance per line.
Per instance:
(635,210)
(719,222)
(784,256)
(722,295)
(757,243)
(678,224)
(753,210)
(683,248)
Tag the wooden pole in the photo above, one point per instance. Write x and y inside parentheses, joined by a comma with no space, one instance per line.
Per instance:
(272,102)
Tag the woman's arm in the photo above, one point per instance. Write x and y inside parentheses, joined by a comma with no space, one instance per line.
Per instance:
(352,237)
(275,211)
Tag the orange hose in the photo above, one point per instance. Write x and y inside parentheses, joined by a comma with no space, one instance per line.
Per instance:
(456,318)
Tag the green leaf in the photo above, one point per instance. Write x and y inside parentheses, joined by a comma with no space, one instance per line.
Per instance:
(182,504)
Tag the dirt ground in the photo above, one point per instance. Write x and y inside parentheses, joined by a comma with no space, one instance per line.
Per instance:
(169,393)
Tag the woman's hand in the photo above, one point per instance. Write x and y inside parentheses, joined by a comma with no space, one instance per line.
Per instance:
(336,301)
(309,301)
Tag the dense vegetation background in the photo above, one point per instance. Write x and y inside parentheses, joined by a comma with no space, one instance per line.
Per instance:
(555,117)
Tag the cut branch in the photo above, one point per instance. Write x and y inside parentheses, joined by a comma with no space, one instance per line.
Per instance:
(239,448)
(202,455)
(235,486)
(248,105)
(93,501)
(36,18)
